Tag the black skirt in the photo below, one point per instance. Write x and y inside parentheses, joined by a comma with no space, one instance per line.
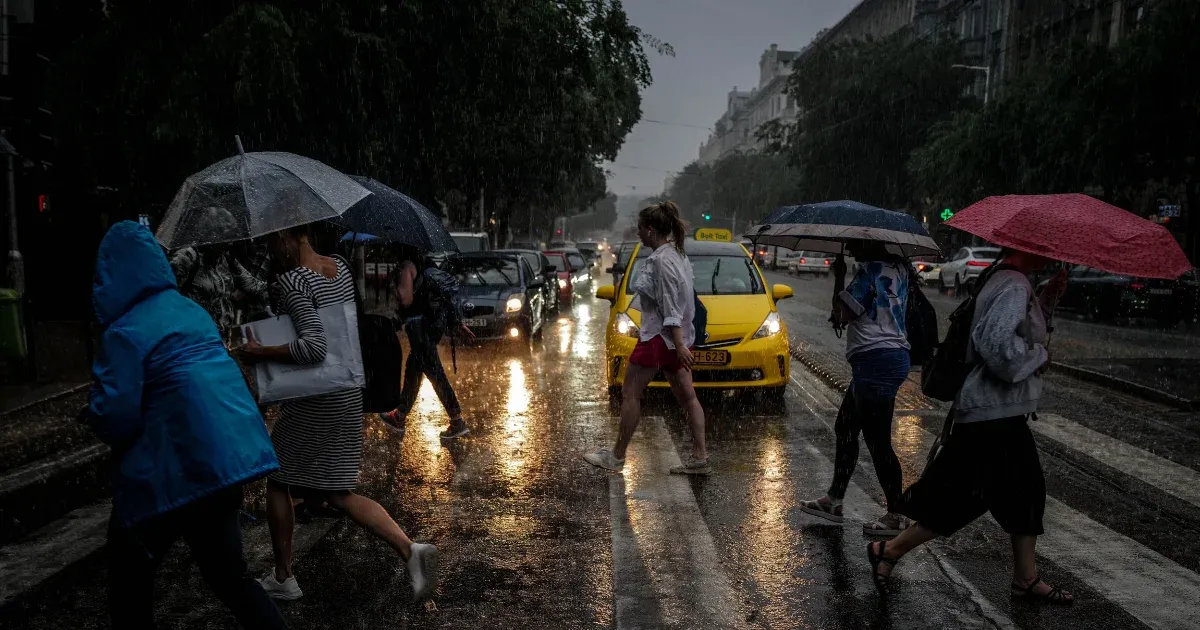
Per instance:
(989,466)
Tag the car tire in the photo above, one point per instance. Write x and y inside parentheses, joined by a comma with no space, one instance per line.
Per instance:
(941,284)
(958,285)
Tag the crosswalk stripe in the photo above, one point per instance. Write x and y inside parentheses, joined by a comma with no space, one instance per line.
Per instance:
(1178,481)
(1124,571)
(661,543)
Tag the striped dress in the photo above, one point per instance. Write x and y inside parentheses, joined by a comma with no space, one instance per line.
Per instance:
(318,440)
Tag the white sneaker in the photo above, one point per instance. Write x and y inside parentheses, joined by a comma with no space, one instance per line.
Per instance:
(605,459)
(422,570)
(287,590)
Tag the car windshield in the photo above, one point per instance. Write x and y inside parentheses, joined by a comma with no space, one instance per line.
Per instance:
(715,275)
(986,253)
(535,261)
(577,261)
(480,272)
(558,263)
(468,243)
(588,245)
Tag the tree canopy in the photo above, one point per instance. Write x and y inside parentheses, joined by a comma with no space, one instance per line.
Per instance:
(521,99)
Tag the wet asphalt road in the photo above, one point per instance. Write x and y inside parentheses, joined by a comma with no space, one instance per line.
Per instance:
(531,537)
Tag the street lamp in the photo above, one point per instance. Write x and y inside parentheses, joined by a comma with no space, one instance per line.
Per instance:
(987,78)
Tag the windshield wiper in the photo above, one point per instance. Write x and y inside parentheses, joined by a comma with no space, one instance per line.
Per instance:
(716,270)
(753,277)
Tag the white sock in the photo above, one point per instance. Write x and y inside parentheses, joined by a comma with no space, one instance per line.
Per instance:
(835,501)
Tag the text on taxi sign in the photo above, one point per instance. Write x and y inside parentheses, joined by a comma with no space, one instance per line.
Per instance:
(714,234)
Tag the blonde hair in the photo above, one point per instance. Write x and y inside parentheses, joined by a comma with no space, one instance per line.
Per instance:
(664,218)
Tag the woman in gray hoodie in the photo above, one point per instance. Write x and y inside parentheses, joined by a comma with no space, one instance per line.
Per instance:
(990,461)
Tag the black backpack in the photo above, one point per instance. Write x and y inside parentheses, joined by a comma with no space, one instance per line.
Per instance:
(438,294)
(921,323)
(383,358)
(700,320)
(943,375)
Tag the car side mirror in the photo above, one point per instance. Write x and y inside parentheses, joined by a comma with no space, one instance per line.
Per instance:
(781,292)
(548,269)
(607,292)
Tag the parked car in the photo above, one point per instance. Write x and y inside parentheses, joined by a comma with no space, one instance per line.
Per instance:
(541,266)
(501,295)
(1104,296)
(562,269)
(590,251)
(964,267)
(817,263)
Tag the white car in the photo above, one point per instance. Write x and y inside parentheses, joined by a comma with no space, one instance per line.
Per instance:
(819,263)
(964,267)
(928,268)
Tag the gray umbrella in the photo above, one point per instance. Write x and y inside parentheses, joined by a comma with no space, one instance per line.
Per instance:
(262,192)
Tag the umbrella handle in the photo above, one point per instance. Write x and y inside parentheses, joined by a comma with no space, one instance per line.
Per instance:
(238,141)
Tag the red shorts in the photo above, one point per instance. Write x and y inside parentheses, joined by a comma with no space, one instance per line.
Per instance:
(655,354)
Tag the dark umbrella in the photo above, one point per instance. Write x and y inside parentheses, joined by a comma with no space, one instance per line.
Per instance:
(827,226)
(393,217)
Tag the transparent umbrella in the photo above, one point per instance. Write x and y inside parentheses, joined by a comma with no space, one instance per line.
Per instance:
(253,194)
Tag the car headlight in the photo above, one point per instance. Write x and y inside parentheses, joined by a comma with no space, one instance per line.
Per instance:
(625,326)
(562,284)
(770,326)
(514,303)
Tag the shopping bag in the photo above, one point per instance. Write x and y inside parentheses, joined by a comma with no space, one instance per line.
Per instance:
(341,370)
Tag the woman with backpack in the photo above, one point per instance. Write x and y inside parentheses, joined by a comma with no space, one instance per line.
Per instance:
(319,440)
(873,310)
(989,461)
(665,296)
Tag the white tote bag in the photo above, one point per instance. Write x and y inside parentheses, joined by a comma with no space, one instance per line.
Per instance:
(342,368)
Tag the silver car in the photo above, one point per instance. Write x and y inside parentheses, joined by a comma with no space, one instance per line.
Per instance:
(964,267)
(819,263)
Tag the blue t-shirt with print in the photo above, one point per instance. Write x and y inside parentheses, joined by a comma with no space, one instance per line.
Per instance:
(878,297)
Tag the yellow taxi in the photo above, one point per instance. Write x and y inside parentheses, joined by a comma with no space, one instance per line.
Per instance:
(747,345)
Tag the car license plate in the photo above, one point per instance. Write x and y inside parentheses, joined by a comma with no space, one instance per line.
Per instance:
(711,357)
(1160,292)
(475,323)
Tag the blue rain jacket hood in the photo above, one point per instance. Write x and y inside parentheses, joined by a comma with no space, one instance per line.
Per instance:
(165,392)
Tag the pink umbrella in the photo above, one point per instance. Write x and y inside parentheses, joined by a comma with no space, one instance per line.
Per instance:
(1077,229)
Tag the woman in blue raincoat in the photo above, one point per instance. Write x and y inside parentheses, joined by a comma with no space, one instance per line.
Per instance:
(185,431)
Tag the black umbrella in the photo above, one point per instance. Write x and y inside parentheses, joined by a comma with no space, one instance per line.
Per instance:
(393,217)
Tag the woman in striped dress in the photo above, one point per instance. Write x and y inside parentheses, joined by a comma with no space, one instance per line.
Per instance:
(319,440)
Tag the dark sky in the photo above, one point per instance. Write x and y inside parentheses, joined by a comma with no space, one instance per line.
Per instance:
(717,46)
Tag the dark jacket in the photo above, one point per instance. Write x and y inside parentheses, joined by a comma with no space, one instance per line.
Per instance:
(165,392)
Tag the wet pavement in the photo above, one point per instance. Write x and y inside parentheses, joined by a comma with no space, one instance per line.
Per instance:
(531,537)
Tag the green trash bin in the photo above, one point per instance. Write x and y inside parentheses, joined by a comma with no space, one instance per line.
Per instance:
(12,329)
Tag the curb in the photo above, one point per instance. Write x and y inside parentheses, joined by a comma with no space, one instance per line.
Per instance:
(45,399)
(823,373)
(1127,387)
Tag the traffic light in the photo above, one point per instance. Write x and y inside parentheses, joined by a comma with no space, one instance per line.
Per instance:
(707,217)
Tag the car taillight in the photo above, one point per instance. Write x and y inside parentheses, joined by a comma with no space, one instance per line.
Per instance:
(978,263)
(803,262)
(921,267)
(1137,286)
(826,262)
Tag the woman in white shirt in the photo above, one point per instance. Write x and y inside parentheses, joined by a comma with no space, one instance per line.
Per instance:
(664,294)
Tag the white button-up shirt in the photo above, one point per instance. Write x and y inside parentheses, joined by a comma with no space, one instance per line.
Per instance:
(663,292)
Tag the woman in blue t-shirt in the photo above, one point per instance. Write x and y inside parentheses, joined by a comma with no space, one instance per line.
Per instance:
(872,308)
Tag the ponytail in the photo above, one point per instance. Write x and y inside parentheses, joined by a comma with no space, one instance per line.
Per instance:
(664,218)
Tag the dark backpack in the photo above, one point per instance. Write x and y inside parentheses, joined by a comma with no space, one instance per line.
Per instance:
(383,358)
(943,375)
(921,323)
(438,294)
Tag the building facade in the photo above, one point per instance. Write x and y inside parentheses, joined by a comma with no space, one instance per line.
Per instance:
(747,111)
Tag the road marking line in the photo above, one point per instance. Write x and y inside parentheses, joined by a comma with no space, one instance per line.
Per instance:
(666,569)
(1176,480)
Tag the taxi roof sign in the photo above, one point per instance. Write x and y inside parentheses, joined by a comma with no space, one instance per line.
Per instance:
(714,234)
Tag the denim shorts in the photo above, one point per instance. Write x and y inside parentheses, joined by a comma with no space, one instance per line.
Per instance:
(879,373)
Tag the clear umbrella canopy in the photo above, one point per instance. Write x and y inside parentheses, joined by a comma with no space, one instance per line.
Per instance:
(253,194)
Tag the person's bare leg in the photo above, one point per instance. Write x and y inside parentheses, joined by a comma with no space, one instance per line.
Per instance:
(685,393)
(1025,565)
(637,377)
(912,537)
(372,517)
(281,519)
